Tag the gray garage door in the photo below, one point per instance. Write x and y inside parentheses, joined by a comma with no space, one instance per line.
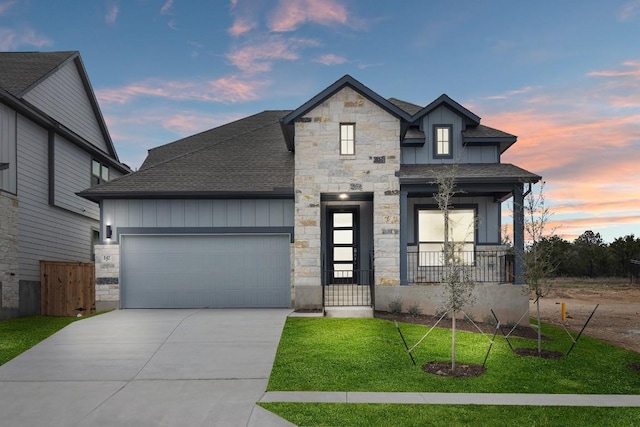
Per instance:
(194,271)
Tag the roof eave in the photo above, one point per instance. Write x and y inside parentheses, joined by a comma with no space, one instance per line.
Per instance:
(444,99)
(97,196)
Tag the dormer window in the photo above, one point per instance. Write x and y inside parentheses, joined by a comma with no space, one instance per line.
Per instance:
(99,173)
(442,142)
(347,139)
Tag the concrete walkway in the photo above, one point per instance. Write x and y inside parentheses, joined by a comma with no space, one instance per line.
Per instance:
(147,368)
(455,398)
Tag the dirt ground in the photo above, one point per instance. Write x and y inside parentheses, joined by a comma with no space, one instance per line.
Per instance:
(617,319)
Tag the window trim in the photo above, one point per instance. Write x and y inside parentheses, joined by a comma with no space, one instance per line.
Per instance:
(436,155)
(347,141)
(99,179)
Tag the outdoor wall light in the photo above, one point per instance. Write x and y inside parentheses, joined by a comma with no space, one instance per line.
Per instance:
(109,232)
(343,196)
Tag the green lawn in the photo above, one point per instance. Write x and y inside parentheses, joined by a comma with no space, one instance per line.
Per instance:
(351,414)
(317,354)
(20,334)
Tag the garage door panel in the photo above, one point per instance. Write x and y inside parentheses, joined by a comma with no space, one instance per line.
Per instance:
(177,271)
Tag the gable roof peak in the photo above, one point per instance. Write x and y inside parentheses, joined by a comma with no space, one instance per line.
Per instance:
(444,99)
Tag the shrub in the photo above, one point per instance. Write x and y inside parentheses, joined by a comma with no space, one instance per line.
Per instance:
(395,306)
(414,310)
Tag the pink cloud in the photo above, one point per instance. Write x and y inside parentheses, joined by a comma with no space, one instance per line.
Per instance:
(241,26)
(5,6)
(634,70)
(12,39)
(227,90)
(166,7)
(628,11)
(331,59)
(289,15)
(259,58)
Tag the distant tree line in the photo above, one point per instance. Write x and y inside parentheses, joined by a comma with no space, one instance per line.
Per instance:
(589,256)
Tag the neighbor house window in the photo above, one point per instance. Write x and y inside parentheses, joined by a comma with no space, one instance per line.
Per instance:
(347,138)
(442,143)
(99,173)
(431,238)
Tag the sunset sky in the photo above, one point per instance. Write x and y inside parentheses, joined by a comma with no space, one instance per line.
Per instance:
(564,76)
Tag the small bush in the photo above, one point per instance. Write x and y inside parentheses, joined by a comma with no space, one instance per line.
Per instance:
(395,306)
(414,310)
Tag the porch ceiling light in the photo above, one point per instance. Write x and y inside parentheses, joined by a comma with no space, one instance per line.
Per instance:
(343,196)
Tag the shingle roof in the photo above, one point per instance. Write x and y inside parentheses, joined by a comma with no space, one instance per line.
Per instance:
(20,70)
(246,156)
(406,106)
(468,172)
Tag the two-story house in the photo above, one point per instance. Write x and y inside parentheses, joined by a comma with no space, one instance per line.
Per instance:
(330,204)
(53,144)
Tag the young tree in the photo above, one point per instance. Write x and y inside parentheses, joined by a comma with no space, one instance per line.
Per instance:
(538,263)
(456,275)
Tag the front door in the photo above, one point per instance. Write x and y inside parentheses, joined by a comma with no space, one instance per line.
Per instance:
(343,245)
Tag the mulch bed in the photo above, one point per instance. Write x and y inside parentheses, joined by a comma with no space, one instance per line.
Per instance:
(461,371)
(635,366)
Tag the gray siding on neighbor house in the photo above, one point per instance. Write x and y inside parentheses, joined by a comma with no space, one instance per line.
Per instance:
(488,217)
(46,232)
(195,214)
(8,148)
(63,97)
(461,154)
(72,174)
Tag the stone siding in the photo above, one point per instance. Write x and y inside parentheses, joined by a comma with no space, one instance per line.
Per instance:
(319,168)
(9,277)
(107,277)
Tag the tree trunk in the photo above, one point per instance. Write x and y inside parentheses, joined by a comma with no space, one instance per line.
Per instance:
(539,330)
(453,341)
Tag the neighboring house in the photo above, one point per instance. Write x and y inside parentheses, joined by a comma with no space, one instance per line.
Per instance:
(53,144)
(329,204)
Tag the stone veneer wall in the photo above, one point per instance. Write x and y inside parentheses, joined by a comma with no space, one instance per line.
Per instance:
(319,168)
(9,277)
(107,277)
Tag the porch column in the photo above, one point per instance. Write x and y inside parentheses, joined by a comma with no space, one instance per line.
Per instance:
(403,238)
(518,234)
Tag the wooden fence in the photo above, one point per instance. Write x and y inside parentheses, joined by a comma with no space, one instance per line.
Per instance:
(67,288)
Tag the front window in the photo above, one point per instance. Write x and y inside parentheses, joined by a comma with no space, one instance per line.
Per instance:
(431,237)
(99,173)
(442,143)
(347,139)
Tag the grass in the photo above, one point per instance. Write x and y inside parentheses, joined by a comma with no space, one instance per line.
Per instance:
(20,334)
(351,414)
(368,355)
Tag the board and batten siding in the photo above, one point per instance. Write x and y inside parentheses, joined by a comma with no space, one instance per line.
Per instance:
(461,154)
(72,175)
(195,214)
(8,148)
(46,232)
(488,217)
(63,97)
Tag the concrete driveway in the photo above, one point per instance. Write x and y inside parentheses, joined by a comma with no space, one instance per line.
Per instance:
(147,368)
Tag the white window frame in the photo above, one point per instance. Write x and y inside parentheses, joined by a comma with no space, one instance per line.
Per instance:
(347,139)
(443,147)
(430,239)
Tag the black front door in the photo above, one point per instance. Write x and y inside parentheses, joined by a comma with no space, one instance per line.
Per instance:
(343,245)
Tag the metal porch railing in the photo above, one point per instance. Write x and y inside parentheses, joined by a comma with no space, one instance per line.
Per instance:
(483,266)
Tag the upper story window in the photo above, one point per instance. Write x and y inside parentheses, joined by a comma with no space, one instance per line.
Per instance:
(347,138)
(442,141)
(99,173)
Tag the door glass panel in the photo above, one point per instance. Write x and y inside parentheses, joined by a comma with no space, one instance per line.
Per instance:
(343,219)
(343,254)
(342,237)
(342,270)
